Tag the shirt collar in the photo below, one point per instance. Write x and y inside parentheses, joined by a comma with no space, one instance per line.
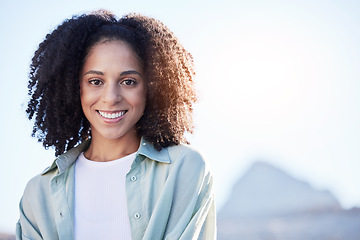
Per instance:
(146,149)
(65,160)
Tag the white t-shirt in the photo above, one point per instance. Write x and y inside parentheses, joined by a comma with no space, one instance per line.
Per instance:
(100,199)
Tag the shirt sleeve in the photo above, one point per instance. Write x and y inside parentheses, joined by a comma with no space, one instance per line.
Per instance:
(193,204)
(203,222)
(25,228)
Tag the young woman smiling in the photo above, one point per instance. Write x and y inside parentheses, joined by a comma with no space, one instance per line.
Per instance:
(114,98)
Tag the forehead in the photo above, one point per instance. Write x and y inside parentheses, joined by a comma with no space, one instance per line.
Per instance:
(109,45)
(112,53)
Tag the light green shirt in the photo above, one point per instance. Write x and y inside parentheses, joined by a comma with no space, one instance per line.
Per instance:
(169,196)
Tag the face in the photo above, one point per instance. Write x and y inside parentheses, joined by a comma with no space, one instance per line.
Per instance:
(112,90)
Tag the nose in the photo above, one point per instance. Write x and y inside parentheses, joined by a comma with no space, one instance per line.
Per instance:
(111,94)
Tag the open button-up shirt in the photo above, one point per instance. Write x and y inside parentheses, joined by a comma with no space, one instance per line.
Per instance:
(169,196)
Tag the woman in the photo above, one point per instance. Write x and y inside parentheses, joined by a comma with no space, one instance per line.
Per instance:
(114,98)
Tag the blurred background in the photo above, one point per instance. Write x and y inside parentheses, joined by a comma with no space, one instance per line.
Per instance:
(278,118)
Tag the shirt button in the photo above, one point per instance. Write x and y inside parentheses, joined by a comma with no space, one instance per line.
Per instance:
(137,215)
(133,178)
(144,144)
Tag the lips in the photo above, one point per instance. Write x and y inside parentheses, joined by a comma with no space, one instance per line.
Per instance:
(112,115)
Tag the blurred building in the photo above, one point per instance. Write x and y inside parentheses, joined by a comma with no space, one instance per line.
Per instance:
(268,204)
(4,236)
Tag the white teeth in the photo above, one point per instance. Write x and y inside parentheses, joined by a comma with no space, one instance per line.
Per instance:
(112,115)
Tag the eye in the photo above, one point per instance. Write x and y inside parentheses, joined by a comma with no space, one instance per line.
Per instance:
(95,82)
(128,82)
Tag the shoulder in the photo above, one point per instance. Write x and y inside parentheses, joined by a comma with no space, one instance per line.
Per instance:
(188,157)
(36,199)
(185,152)
(191,169)
(38,185)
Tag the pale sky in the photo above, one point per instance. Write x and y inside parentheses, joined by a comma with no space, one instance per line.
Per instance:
(279,81)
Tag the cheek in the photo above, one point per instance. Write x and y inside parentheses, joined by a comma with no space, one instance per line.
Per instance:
(82,97)
(86,98)
(142,100)
(81,91)
(136,98)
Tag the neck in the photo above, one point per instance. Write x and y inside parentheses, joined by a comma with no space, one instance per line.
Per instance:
(104,150)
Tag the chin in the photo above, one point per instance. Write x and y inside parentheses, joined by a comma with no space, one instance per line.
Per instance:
(113,135)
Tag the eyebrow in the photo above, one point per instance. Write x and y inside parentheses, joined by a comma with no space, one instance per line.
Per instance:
(130,72)
(94,72)
(121,74)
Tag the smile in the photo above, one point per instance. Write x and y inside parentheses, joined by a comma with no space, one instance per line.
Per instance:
(112,115)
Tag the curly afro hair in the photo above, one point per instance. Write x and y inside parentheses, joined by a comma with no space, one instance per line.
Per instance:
(55,105)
